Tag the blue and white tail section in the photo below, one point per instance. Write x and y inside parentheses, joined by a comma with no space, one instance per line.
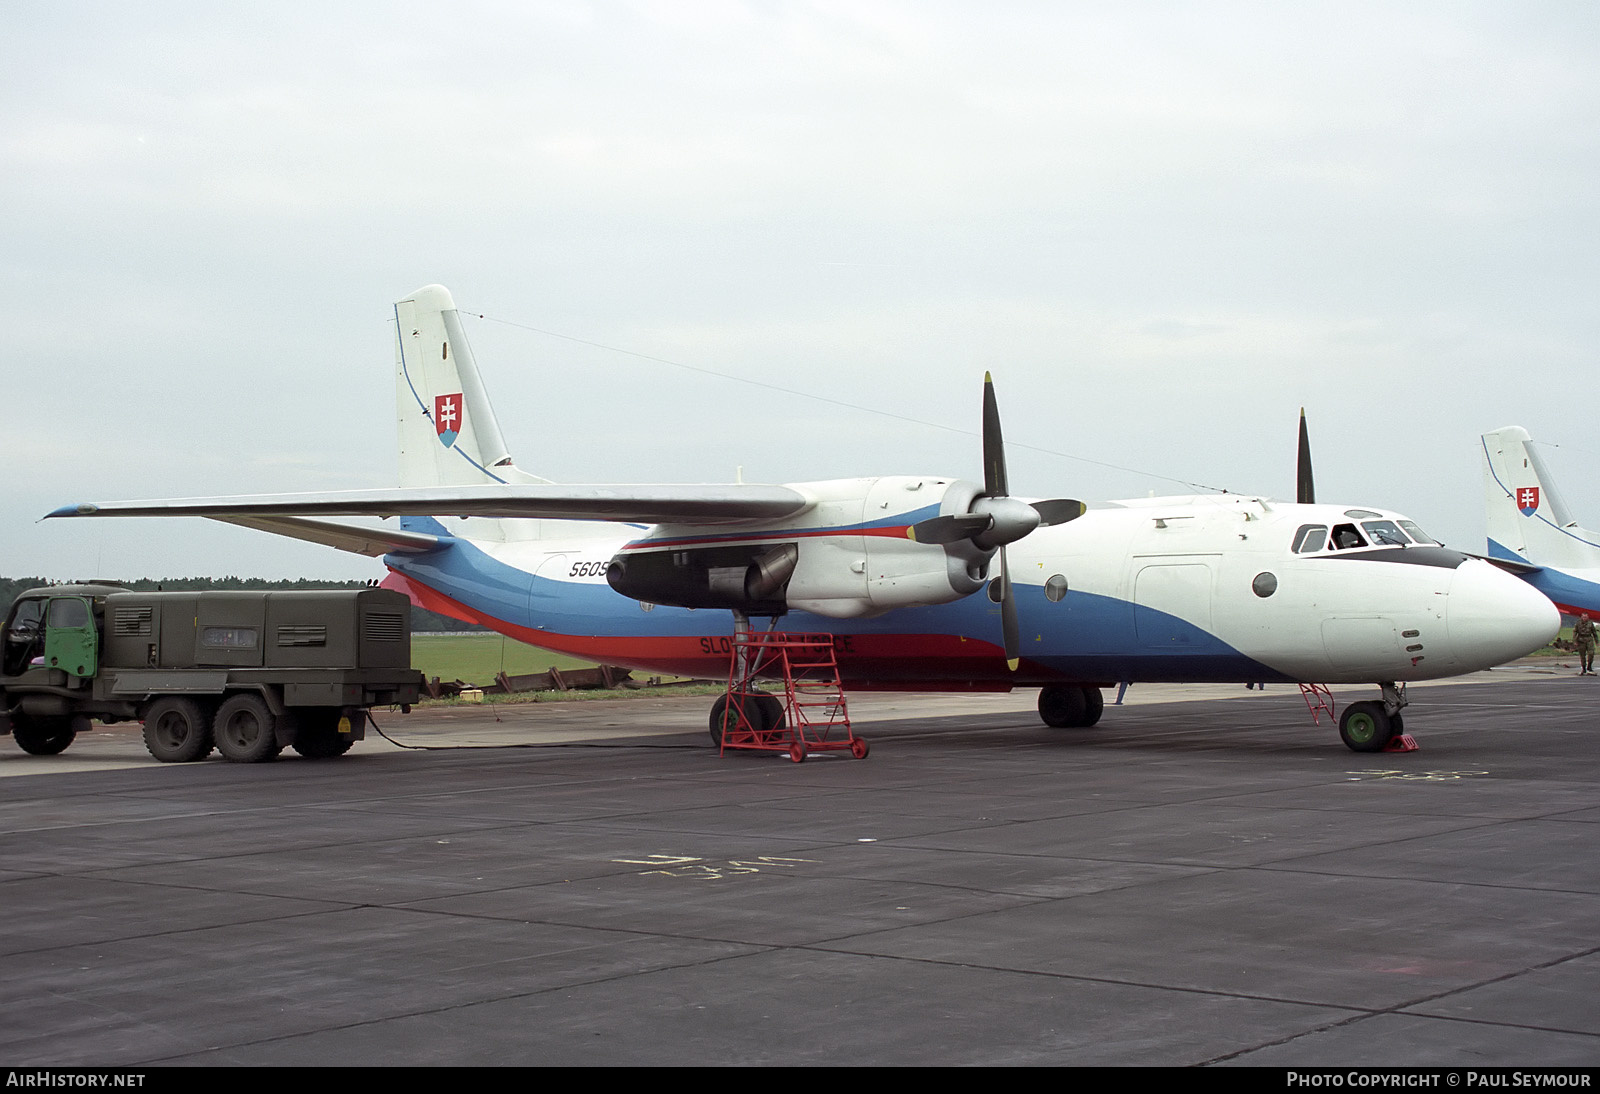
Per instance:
(1531,530)
(449,435)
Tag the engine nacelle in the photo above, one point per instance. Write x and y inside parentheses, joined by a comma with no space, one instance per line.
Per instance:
(848,555)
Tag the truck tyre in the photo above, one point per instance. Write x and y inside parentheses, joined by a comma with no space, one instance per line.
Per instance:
(41,736)
(317,735)
(246,731)
(177,731)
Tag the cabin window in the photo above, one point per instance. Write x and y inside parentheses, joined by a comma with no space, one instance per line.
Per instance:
(1264,585)
(1055,588)
(1346,537)
(1384,533)
(1310,539)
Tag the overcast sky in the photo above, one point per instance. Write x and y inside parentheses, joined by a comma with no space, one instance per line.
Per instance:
(1164,227)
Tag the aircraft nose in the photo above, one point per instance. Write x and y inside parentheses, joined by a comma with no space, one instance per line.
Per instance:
(1494,617)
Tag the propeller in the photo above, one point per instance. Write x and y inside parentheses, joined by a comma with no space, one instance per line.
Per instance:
(1305,491)
(995,519)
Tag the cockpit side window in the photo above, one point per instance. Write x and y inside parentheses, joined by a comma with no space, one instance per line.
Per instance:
(1310,539)
(1384,533)
(1417,533)
(1345,537)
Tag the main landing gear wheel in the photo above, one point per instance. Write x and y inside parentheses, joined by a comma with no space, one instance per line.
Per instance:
(177,731)
(1066,706)
(1367,727)
(764,713)
(42,736)
(246,731)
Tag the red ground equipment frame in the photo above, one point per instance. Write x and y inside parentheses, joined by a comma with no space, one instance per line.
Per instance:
(810,712)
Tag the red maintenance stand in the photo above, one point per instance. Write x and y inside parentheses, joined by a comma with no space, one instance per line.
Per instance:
(809,715)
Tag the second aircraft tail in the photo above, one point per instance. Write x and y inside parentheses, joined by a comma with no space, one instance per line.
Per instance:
(1528,520)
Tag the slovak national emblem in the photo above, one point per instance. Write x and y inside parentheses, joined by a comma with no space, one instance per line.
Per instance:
(447,417)
(1528,500)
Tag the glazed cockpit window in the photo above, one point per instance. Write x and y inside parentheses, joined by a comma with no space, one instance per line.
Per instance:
(1417,533)
(1310,539)
(1384,533)
(1346,537)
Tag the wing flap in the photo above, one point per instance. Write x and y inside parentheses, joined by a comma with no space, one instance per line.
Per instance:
(373,542)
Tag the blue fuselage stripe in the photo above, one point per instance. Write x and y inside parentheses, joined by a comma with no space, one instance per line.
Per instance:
(1084,636)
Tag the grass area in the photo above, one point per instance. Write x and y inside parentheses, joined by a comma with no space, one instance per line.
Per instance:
(475,658)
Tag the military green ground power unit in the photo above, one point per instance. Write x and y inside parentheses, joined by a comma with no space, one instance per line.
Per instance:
(248,673)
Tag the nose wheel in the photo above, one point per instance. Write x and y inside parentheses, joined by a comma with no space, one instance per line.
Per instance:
(1366,727)
(1377,725)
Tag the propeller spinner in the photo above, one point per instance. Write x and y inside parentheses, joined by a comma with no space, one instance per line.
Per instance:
(995,519)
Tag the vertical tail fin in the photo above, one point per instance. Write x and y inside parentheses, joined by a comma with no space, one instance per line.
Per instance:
(1528,520)
(448,432)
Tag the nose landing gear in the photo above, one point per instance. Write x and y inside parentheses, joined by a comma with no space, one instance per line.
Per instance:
(1375,725)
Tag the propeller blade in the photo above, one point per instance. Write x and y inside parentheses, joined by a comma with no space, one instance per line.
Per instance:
(994,446)
(1010,632)
(1305,491)
(950,528)
(1058,511)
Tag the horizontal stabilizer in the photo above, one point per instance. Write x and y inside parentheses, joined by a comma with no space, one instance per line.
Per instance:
(373,542)
(692,504)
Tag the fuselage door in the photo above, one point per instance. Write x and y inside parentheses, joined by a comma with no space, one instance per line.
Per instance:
(1171,601)
(1364,644)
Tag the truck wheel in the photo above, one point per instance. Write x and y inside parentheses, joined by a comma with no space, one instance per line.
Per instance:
(42,736)
(246,731)
(177,731)
(317,736)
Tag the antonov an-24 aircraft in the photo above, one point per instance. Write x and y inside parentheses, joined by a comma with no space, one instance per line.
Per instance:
(910,573)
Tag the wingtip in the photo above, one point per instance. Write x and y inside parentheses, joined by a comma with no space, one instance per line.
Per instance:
(72,511)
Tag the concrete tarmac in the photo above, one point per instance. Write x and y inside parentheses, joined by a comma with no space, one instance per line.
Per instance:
(1211,881)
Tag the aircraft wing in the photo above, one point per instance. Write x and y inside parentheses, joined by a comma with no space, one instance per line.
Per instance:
(685,504)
